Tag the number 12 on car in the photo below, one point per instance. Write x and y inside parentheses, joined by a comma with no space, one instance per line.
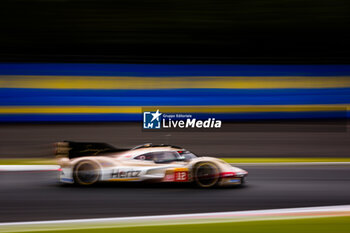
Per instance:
(181,175)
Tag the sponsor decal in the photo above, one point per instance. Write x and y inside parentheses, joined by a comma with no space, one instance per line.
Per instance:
(176,175)
(235,181)
(67,180)
(118,173)
(159,120)
(169,177)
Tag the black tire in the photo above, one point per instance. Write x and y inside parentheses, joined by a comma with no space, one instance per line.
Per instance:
(86,173)
(206,175)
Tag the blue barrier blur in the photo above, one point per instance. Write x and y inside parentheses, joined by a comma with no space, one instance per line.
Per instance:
(28,93)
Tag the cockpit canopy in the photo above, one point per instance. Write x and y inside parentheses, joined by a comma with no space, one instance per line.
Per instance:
(165,156)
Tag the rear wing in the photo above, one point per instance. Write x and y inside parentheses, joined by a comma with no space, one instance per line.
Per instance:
(72,149)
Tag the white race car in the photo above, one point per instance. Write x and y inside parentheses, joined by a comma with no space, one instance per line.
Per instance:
(85,163)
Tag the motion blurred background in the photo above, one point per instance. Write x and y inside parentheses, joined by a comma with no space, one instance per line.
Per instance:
(83,69)
(276,71)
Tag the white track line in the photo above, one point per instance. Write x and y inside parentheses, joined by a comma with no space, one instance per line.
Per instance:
(233,216)
(15,168)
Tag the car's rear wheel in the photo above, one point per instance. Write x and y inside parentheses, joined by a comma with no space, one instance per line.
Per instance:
(206,175)
(86,173)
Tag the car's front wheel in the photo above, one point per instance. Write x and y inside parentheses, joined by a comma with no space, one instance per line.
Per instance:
(206,175)
(86,173)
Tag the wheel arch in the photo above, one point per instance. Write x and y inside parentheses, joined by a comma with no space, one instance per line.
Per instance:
(211,163)
(92,161)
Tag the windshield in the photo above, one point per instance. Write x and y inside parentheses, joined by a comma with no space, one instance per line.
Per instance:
(165,156)
(187,155)
(161,156)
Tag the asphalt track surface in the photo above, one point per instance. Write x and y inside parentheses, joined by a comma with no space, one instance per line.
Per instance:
(28,196)
(284,139)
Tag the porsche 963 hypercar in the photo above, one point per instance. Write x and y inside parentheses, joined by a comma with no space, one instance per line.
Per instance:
(85,163)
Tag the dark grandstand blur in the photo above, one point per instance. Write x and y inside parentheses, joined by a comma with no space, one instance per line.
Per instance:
(175,31)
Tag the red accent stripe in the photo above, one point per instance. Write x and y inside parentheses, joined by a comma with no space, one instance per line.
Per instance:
(227,174)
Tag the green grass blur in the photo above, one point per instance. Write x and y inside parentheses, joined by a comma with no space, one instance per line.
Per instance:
(317,225)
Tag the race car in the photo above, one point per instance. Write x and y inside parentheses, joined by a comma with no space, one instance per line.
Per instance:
(85,163)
